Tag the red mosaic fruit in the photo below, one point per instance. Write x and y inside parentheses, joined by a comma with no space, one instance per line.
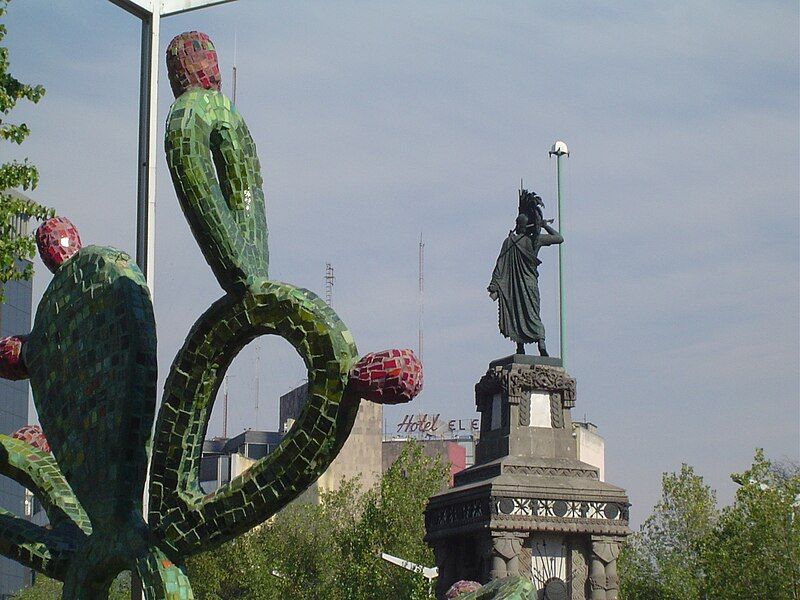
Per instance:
(11,364)
(58,241)
(34,435)
(388,377)
(192,63)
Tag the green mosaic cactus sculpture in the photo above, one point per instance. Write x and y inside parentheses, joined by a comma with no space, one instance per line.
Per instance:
(91,361)
(510,588)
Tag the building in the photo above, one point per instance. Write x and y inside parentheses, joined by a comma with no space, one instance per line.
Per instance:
(15,319)
(226,458)
(591,446)
(449,451)
(359,457)
(223,459)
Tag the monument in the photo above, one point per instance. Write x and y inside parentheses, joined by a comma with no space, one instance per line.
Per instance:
(528,517)
(91,362)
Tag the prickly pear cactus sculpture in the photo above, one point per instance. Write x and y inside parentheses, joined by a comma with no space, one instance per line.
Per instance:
(91,361)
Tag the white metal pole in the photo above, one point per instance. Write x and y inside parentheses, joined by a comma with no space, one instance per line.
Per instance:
(148,124)
(146,192)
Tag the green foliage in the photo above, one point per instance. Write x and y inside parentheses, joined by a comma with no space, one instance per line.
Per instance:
(331,550)
(755,549)
(15,174)
(688,549)
(45,588)
(661,561)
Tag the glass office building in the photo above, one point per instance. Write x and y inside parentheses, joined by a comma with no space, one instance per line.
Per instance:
(15,319)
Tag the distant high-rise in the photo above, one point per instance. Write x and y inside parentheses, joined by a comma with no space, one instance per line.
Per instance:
(15,319)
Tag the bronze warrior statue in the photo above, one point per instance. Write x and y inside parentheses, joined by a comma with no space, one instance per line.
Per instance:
(515,280)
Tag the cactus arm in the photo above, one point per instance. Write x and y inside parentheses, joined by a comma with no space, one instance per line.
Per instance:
(180,513)
(161,578)
(207,139)
(39,472)
(36,547)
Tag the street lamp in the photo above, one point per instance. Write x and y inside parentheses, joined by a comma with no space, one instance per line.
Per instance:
(150,12)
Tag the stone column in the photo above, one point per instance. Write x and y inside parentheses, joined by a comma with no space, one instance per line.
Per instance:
(446,558)
(603,577)
(506,548)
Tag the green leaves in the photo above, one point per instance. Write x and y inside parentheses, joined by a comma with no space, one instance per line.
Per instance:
(331,550)
(689,549)
(754,551)
(16,246)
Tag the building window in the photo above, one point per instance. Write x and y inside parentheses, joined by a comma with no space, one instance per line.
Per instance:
(256,451)
(209,468)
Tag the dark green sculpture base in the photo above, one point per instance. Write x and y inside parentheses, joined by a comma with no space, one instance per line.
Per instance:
(510,588)
(527,359)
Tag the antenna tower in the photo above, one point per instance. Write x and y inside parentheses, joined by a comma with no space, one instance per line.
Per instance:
(233,78)
(225,409)
(329,284)
(421,293)
(258,377)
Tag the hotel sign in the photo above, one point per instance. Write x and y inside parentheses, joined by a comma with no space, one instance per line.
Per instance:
(435,425)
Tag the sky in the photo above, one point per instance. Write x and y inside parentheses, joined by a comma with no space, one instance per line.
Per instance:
(379,122)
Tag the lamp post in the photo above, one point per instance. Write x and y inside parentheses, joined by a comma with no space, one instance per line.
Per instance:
(560,150)
(150,12)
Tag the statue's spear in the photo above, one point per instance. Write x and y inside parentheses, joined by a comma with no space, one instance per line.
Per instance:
(560,150)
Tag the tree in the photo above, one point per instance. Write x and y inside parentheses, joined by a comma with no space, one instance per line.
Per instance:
(754,551)
(662,560)
(15,249)
(331,550)
(45,588)
(688,549)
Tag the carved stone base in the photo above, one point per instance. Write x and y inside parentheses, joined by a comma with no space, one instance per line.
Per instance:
(529,506)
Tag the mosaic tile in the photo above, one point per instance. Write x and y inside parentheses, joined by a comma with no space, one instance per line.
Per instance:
(57,241)
(11,364)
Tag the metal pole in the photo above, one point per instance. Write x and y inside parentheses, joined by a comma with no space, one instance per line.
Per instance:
(561,296)
(146,191)
(148,122)
(560,150)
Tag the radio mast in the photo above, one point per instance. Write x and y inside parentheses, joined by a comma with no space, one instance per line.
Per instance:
(421,298)
(258,378)
(225,408)
(329,284)
(233,78)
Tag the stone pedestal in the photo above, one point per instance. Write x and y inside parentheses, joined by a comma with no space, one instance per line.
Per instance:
(528,505)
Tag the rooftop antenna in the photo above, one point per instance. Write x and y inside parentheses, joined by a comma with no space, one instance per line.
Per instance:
(560,150)
(421,293)
(225,408)
(233,78)
(329,284)
(258,377)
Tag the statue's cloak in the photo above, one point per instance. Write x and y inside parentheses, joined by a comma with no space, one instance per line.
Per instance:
(516,281)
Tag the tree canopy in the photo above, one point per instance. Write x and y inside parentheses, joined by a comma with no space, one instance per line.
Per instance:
(15,249)
(689,549)
(331,550)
